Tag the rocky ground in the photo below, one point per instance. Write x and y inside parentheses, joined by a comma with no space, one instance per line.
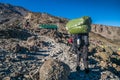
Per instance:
(21,59)
(23,50)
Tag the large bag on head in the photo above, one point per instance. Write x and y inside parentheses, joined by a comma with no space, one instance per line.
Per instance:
(79,25)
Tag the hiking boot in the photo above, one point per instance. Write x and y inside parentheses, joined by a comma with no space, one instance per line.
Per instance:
(87,70)
(78,68)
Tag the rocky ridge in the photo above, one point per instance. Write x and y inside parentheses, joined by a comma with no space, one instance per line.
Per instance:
(109,32)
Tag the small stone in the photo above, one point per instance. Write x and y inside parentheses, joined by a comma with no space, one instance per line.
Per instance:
(1,64)
(114,65)
(104,76)
(26,76)
(7,78)
(118,52)
(24,56)
(7,59)
(31,41)
(109,64)
(12,74)
(118,68)
(19,68)
(103,64)
(31,38)
(43,60)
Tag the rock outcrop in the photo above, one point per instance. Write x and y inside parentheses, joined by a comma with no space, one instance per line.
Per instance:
(54,70)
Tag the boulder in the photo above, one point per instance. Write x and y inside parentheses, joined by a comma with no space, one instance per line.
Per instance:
(54,70)
(32,43)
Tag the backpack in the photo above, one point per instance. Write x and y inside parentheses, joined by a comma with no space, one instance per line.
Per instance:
(79,25)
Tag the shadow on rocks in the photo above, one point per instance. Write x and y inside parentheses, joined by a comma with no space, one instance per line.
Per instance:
(19,34)
(15,33)
(116,61)
(94,74)
(114,71)
(39,54)
(116,66)
(92,61)
(92,52)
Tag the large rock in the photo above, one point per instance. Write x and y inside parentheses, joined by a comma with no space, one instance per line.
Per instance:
(54,70)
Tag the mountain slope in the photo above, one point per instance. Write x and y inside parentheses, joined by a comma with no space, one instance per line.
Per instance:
(24,49)
(13,15)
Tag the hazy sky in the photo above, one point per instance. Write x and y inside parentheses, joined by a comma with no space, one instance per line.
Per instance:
(101,11)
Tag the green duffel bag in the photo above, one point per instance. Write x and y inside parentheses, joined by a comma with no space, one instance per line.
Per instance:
(79,29)
(79,25)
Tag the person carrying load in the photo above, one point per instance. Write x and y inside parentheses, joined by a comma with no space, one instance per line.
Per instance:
(79,29)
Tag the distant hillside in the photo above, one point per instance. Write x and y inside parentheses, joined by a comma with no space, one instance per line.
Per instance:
(109,32)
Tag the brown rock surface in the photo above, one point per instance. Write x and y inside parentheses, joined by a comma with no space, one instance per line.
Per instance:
(54,70)
(31,41)
(109,32)
(103,56)
(118,52)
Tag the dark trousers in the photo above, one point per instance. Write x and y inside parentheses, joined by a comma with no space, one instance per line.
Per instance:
(82,49)
(83,54)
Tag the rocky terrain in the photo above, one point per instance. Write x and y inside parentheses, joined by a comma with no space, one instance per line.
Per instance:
(23,49)
(109,32)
